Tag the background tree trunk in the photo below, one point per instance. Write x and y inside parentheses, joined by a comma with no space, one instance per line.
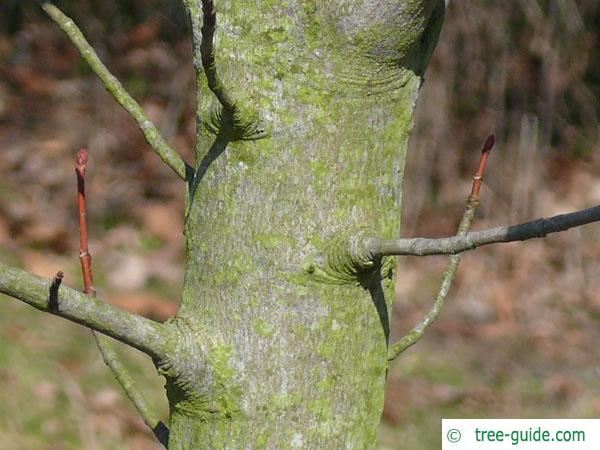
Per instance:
(278,348)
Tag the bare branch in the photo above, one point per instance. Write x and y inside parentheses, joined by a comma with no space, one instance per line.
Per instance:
(464,241)
(103,343)
(112,85)
(456,244)
(85,256)
(207,52)
(417,332)
(236,118)
(144,334)
(129,386)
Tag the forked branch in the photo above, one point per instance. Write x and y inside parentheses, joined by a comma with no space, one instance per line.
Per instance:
(144,334)
(109,355)
(463,241)
(417,332)
(112,85)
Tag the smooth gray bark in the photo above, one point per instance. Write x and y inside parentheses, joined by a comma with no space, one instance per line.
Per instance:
(276,354)
(281,339)
(304,113)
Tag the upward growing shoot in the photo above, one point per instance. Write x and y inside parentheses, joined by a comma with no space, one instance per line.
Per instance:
(114,86)
(417,332)
(103,343)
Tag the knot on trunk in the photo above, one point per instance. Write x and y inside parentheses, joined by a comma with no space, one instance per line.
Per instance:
(236,123)
(200,380)
(346,259)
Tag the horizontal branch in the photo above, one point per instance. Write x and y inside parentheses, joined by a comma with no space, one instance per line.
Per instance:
(456,244)
(114,86)
(146,335)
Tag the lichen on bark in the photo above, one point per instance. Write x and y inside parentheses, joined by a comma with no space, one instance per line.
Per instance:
(291,363)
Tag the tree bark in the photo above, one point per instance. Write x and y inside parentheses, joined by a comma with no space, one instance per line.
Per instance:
(282,336)
(304,112)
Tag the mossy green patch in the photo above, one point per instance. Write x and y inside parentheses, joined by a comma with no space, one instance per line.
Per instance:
(285,401)
(264,329)
(261,223)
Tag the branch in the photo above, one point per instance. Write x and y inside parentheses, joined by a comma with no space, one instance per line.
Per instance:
(236,119)
(144,334)
(471,205)
(123,377)
(417,332)
(110,357)
(112,85)
(207,53)
(85,257)
(456,244)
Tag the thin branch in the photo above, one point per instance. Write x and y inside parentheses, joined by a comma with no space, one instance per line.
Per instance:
(112,84)
(85,257)
(110,357)
(129,386)
(537,228)
(236,119)
(417,332)
(207,52)
(144,334)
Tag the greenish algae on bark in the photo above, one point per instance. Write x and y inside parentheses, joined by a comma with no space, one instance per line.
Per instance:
(272,353)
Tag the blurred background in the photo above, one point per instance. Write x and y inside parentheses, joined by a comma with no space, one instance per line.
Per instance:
(518,335)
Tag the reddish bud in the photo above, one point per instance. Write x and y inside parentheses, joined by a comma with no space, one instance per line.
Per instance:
(489,144)
(82,157)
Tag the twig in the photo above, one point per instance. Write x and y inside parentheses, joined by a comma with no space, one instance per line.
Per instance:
(417,332)
(110,357)
(537,228)
(478,178)
(112,85)
(237,118)
(53,297)
(129,386)
(84,253)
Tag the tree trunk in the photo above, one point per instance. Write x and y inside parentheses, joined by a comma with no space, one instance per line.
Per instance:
(283,337)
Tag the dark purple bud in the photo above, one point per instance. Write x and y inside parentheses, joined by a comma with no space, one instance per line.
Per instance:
(489,144)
